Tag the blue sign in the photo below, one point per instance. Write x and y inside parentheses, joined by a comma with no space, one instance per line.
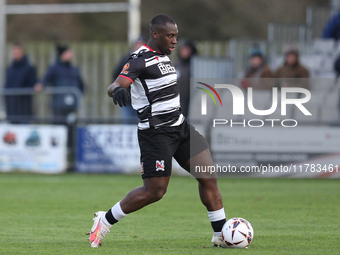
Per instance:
(108,149)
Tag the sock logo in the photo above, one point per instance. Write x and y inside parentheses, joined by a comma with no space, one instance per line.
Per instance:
(160,165)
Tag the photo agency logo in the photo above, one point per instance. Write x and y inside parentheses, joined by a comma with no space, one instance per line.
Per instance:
(238,105)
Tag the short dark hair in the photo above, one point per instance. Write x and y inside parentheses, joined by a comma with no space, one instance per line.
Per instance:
(160,20)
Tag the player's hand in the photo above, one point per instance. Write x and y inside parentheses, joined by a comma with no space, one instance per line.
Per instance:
(121,96)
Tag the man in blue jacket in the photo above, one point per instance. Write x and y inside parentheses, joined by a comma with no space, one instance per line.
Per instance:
(20,74)
(332,28)
(63,75)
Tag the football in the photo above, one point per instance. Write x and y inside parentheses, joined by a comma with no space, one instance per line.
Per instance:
(237,233)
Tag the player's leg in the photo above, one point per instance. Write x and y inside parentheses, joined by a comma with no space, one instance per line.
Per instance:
(210,194)
(207,183)
(208,189)
(152,191)
(192,152)
(156,161)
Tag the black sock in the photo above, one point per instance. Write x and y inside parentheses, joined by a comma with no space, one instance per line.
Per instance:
(109,217)
(217,225)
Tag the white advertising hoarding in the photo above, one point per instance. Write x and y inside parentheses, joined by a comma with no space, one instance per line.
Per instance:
(33,148)
(301,151)
(278,139)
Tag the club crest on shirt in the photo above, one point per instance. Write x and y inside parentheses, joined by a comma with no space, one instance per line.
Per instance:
(160,165)
(125,68)
(165,69)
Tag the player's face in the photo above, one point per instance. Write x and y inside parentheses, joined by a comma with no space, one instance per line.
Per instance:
(167,38)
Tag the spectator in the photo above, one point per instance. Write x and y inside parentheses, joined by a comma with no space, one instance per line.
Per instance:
(20,74)
(292,69)
(128,114)
(337,71)
(138,43)
(186,51)
(332,28)
(256,70)
(63,75)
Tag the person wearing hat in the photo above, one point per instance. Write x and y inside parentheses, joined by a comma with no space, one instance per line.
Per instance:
(256,70)
(62,74)
(292,69)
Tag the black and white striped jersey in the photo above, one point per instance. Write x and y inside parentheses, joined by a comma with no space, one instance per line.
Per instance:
(154,89)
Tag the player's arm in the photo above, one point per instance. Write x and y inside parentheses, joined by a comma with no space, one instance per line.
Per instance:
(118,90)
(120,81)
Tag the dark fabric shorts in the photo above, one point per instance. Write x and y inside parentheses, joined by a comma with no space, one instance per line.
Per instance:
(158,146)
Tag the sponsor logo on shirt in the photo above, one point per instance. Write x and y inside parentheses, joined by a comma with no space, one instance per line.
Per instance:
(165,69)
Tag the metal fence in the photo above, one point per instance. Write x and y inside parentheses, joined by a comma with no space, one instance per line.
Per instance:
(205,67)
(301,34)
(316,19)
(286,33)
(24,105)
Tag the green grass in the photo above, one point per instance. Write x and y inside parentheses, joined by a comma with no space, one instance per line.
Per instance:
(42,214)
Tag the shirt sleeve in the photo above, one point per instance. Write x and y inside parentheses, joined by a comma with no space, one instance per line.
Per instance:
(133,68)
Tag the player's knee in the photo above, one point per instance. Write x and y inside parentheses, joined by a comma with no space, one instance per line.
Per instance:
(159,193)
(156,194)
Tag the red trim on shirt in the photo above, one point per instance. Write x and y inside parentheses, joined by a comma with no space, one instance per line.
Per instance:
(125,78)
(151,49)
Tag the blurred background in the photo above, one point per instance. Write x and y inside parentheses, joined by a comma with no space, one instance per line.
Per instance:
(199,20)
(55,68)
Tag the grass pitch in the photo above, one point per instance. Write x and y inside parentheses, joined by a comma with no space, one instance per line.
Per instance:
(42,214)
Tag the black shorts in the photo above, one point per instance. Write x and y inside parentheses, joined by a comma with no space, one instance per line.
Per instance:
(158,146)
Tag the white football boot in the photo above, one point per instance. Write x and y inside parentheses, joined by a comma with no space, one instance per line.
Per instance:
(217,240)
(99,230)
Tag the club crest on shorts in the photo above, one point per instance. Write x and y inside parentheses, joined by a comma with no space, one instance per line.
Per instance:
(160,165)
